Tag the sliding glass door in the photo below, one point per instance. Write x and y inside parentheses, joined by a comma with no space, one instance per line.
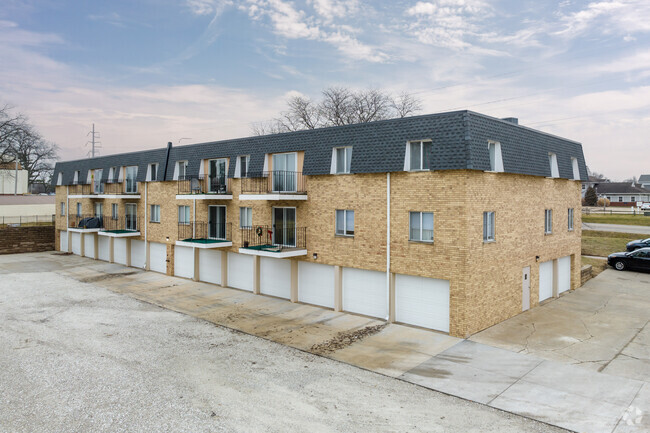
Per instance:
(284,226)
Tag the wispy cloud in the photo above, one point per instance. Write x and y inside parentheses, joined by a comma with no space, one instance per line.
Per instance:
(614,16)
(207,7)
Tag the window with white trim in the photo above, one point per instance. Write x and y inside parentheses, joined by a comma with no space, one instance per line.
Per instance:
(245,217)
(243,166)
(552,160)
(76,177)
(345,223)
(99,209)
(488,226)
(153,172)
(154,213)
(419,155)
(620,198)
(62,208)
(633,199)
(343,159)
(548,221)
(576,168)
(114,213)
(184,215)
(78,209)
(181,170)
(421,226)
(570,220)
(496,160)
(131,174)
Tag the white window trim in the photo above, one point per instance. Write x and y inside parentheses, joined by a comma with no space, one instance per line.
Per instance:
(177,168)
(151,170)
(490,224)
(334,169)
(79,209)
(62,208)
(239,164)
(152,213)
(75,180)
(498,157)
(552,159)
(249,212)
(576,168)
(115,211)
(407,157)
(570,219)
(187,214)
(345,223)
(548,222)
(433,237)
(59,179)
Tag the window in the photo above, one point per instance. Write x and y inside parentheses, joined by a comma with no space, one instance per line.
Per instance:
(131,184)
(576,168)
(496,161)
(488,226)
(620,198)
(570,220)
(111,174)
(421,226)
(345,222)
(98,185)
(99,209)
(62,209)
(153,172)
(78,209)
(548,221)
(552,160)
(183,215)
(243,166)
(633,199)
(76,177)
(59,179)
(420,152)
(245,217)
(155,213)
(114,214)
(181,170)
(131,217)
(343,159)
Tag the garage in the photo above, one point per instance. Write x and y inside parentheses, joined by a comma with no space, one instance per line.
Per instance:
(103,248)
(240,271)
(89,245)
(119,250)
(63,241)
(184,262)
(275,277)
(75,240)
(316,284)
(138,254)
(210,266)
(422,302)
(545,280)
(364,292)
(563,274)
(158,257)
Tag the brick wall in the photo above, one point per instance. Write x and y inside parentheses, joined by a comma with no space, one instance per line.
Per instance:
(26,239)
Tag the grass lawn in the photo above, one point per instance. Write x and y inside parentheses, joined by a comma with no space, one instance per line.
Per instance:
(631,220)
(597,265)
(595,243)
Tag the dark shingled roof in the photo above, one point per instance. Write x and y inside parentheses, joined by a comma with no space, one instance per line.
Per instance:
(459,142)
(645,178)
(619,188)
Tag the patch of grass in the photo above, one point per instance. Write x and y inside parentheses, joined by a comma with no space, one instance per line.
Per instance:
(597,265)
(602,244)
(631,220)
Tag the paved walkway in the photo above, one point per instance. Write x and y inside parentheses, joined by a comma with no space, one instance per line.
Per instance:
(550,391)
(620,228)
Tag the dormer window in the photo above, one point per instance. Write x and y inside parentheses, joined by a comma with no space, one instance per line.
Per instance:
(111,174)
(152,172)
(418,155)
(552,160)
(341,160)
(59,179)
(576,169)
(180,171)
(496,160)
(76,177)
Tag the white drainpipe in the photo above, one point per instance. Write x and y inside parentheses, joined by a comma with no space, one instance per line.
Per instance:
(146,220)
(194,219)
(388,245)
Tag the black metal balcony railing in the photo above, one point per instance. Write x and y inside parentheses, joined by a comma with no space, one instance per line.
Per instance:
(274,237)
(201,230)
(127,223)
(203,185)
(85,221)
(276,182)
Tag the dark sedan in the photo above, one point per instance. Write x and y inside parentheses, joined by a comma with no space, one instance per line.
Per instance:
(639,243)
(638,260)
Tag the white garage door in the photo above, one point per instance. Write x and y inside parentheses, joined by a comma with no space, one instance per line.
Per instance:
(275,277)
(545,280)
(158,257)
(184,262)
(240,271)
(364,292)
(103,248)
(564,274)
(76,243)
(119,250)
(63,241)
(210,266)
(138,254)
(422,302)
(89,245)
(316,284)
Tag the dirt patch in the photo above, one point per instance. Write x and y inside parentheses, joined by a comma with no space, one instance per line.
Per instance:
(104,277)
(345,339)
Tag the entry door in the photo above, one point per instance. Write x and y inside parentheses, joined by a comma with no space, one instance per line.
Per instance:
(525,292)
(284,226)
(98,186)
(217,222)
(284,172)
(217,175)
(131,217)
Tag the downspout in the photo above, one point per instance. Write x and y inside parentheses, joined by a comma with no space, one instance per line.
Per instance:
(388,245)
(194,219)
(146,221)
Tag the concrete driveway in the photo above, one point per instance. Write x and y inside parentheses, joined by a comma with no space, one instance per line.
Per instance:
(620,228)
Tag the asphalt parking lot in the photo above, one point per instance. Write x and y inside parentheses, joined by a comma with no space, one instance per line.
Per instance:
(75,356)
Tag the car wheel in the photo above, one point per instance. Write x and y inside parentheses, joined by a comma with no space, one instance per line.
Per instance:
(620,266)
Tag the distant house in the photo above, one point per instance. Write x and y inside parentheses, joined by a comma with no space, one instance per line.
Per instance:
(590,182)
(622,193)
(8,179)
(644,181)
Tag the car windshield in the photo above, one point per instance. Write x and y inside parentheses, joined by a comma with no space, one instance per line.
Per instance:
(646,241)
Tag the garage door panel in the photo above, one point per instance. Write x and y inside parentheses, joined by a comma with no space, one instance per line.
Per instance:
(119,250)
(422,302)
(158,257)
(240,271)
(138,254)
(364,292)
(63,241)
(89,245)
(316,284)
(103,248)
(75,240)
(545,280)
(210,266)
(564,274)
(275,277)
(184,262)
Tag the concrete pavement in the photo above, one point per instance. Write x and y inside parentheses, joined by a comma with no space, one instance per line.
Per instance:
(620,228)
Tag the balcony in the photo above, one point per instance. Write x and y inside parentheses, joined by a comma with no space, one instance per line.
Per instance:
(85,223)
(274,241)
(274,185)
(105,190)
(203,187)
(121,227)
(200,234)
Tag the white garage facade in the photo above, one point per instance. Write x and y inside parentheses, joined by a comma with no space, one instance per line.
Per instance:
(422,302)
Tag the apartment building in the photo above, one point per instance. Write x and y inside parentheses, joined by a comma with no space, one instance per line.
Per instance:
(452,221)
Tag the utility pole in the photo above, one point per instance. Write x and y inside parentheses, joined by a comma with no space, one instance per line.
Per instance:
(95,145)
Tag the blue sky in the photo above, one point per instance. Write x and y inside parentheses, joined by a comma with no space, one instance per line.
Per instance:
(151,71)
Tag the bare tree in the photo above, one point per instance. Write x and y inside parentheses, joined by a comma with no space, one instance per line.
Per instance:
(406,105)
